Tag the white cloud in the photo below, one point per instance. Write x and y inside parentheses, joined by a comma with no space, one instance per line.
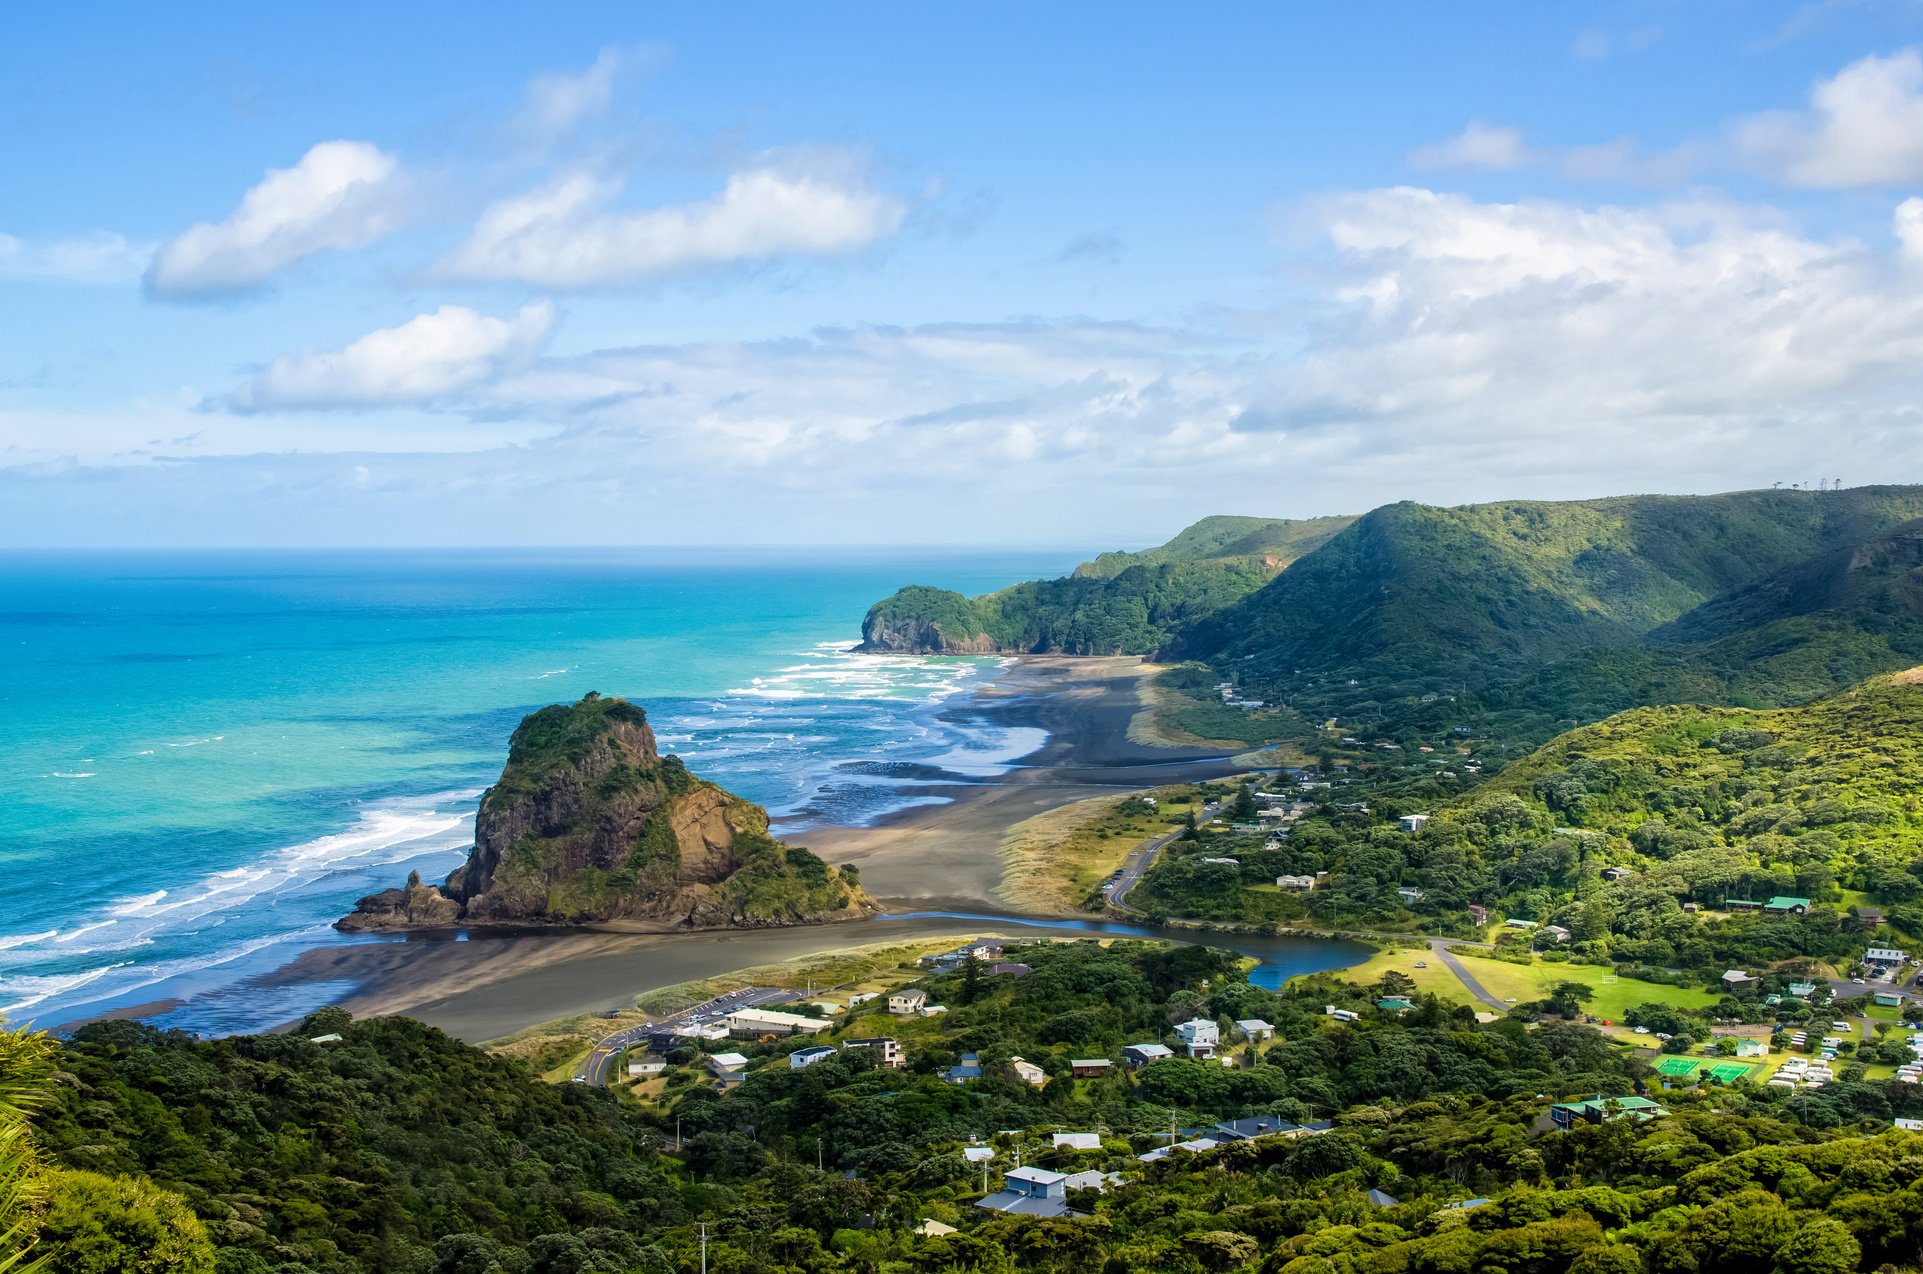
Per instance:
(1632,346)
(1864,127)
(96,258)
(808,203)
(1479,146)
(425,358)
(339,195)
(559,102)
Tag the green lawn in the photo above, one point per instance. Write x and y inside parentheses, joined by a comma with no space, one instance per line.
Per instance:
(1434,980)
(1614,996)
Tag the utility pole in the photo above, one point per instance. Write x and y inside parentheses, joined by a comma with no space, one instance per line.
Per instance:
(704,1247)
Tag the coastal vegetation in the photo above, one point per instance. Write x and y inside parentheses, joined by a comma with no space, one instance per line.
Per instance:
(1384,1129)
(589,821)
(1118,604)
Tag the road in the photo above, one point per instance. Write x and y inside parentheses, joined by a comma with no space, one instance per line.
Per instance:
(599,1064)
(1439,947)
(1140,859)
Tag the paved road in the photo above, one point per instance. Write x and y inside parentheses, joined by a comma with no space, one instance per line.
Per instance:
(596,1069)
(1136,865)
(1439,947)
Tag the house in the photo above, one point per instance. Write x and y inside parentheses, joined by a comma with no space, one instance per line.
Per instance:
(970,1067)
(1909,1125)
(754,1023)
(862,997)
(1380,1198)
(1479,914)
(645,1070)
(1143,1054)
(1201,1036)
(1394,1004)
(1598,1109)
(802,1058)
(1013,970)
(1295,882)
(1225,862)
(978,1154)
(1802,990)
(1029,1073)
(908,1000)
(1250,1128)
(1194,1147)
(1617,873)
(1784,905)
(1889,999)
(1741,904)
(1092,1180)
(1341,1015)
(1030,1192)
(1737,980)
(1751,1048)
(827,1007)
(1254,1028)
(1090,1067)
(933,1228)
(1884,956)
(888,1052)
(1078,1141)
(1524,925)
(1869,917)
(934,1010)
(332,1037)
(1411,823)
(727,1065)
(1555,933)
(1409,894)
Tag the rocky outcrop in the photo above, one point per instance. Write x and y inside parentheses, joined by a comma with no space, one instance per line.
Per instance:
(589,822)
(918,635)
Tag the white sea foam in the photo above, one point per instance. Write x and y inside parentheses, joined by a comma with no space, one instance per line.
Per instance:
(543,676)
(22,939)
(135,906)
(74,935)
(37,990)
(85,774)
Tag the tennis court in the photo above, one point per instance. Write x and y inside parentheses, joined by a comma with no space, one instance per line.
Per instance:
(1729,1072)
(1677,1067)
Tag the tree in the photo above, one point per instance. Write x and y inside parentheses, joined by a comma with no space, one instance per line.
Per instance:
(1242,808)
(25,1063)
(1822,1246)
(121,1225)
(971,985)
(1566,999)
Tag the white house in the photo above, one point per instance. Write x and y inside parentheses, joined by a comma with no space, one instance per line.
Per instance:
(1078,1141)
(1029,1073)
(727,1064)
(907,1000)
(756,1022)
(1412,822)
(1254,1028)
(1201,1036)
(1409,894)
(887,1049)
(1295,882)
(1143,1054)
(805,1057)
(645,1070)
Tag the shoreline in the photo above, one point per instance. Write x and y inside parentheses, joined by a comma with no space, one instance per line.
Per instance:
(483,984)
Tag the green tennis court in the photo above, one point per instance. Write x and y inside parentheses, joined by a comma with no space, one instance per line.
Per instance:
(1677,1067)
(1729,1072)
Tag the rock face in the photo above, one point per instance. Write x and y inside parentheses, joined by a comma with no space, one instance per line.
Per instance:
(919,620)
(590,822)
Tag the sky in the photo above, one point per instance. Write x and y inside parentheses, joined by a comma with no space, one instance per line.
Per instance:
(997,274)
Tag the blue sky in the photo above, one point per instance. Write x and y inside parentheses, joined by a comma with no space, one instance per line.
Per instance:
(1063,274)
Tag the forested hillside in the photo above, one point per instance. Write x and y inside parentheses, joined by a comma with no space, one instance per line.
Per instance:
(1421,1143)
(1120,603)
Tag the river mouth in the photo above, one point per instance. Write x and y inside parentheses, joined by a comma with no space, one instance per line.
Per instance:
(1280,958)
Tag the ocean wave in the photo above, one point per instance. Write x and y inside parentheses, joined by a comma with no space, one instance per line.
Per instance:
(85,774)
(543,676)
(38,990)
(23,939)
(134,906)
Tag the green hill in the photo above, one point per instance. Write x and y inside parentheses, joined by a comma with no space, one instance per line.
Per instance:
(1414,599)
(1120,603)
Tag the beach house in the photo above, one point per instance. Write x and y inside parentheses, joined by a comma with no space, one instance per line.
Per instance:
(1201,1036)
(887,1051)
(907,1001)
(1030,1192)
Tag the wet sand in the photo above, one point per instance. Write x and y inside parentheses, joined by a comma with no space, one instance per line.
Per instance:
(482,986)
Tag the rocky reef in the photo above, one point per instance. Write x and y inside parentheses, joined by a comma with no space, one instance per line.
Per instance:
(589,822)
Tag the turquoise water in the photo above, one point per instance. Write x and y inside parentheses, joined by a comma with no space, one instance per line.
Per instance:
(207,757)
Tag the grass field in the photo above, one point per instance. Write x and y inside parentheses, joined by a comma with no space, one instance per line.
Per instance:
(1615,996)
(1434,980)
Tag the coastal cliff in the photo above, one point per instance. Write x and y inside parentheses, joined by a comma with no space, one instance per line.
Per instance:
(589,822)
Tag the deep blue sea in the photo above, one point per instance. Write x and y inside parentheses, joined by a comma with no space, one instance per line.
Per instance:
(208,756)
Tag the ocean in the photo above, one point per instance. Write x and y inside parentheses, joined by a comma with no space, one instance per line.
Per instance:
(208,756)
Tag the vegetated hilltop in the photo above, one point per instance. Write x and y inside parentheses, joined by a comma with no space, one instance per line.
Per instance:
(1120,603)
(1414,599)
(1677,805)
(1388,1139)
(590,822)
